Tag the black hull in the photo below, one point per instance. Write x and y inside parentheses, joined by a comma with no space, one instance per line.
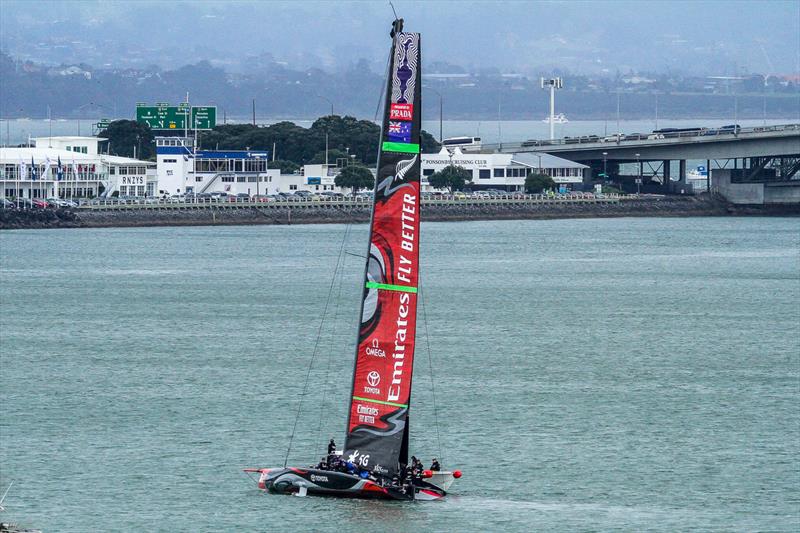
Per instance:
(342,485)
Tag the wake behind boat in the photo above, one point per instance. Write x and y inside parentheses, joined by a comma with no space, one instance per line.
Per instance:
(375,461)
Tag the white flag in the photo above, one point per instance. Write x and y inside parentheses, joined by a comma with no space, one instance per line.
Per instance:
(46,174)
(23,170)
(74,170)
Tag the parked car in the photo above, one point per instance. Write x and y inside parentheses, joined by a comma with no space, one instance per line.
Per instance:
(243,197)
(38,203)
(6,204)
(23,203)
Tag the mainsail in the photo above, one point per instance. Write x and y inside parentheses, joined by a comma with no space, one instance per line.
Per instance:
(377,427)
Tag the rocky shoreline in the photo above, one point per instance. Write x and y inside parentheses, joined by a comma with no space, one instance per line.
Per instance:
(678,206)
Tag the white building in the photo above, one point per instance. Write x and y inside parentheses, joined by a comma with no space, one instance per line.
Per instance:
(34,172)
(182,169)
(503,171)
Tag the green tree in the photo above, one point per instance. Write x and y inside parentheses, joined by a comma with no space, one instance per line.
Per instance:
(428,144)
(451,177)
(125,135)
(355,177)
(536,183)
(333,155)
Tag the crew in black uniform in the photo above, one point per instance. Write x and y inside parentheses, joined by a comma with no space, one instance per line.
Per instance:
(435,466)
(331,452)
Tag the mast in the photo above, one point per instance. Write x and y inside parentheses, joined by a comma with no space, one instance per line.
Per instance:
(377,426)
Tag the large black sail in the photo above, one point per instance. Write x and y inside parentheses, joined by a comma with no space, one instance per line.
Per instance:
(377,428)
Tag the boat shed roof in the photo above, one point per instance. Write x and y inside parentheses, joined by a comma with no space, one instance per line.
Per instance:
(531,159)
(40,155)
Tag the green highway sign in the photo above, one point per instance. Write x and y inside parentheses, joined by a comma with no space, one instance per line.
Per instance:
(103,124)
(166,117)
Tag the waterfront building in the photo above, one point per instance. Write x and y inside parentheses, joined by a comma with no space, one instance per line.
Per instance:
(85,172)
(183,169)
(504,171)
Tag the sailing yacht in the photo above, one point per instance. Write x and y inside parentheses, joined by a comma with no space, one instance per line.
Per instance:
(375,459)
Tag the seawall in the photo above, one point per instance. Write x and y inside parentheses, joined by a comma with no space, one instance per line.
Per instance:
(668,206)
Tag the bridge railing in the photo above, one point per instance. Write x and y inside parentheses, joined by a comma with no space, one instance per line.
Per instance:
(658,135)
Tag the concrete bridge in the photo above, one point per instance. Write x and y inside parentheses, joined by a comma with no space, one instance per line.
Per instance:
(696,143)
(756,154)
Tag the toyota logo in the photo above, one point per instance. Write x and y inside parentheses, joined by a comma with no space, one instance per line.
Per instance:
(373,378)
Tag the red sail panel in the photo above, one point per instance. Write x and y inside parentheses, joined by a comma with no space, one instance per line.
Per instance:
(378,418)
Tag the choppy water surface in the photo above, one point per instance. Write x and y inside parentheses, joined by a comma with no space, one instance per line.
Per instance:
(590,375)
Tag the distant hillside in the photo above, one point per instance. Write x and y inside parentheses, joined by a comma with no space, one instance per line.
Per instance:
(279,92)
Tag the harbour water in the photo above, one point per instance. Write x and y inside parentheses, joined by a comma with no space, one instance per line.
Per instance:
(599,374)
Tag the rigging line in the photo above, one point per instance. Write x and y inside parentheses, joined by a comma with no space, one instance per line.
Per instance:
(313,354)
(430,366)
(340,276)
(383,92)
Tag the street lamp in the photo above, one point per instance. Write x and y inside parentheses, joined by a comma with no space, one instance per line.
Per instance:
(440,109)
(639,177)
(552,84)
(605,172)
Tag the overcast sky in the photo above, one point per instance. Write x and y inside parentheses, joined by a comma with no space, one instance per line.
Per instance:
(723,37)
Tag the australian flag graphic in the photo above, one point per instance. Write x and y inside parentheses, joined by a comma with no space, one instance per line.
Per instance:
(399,131)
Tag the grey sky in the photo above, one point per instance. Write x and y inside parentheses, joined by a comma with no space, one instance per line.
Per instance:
(711,37)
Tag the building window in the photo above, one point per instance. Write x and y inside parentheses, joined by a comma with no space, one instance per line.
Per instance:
(499,173)
(427,172)
(170,161)
(484,174)
(240,179)
(112,170)
(292,187)
(255,165)
(227,179)
(198,179)
(252,179)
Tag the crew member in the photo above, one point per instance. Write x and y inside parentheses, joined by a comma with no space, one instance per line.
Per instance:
(331,451)
(435,466)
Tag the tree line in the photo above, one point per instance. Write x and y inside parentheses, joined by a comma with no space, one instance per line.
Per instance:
(346,138)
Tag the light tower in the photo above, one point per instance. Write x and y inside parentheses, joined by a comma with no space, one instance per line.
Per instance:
(553,84)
